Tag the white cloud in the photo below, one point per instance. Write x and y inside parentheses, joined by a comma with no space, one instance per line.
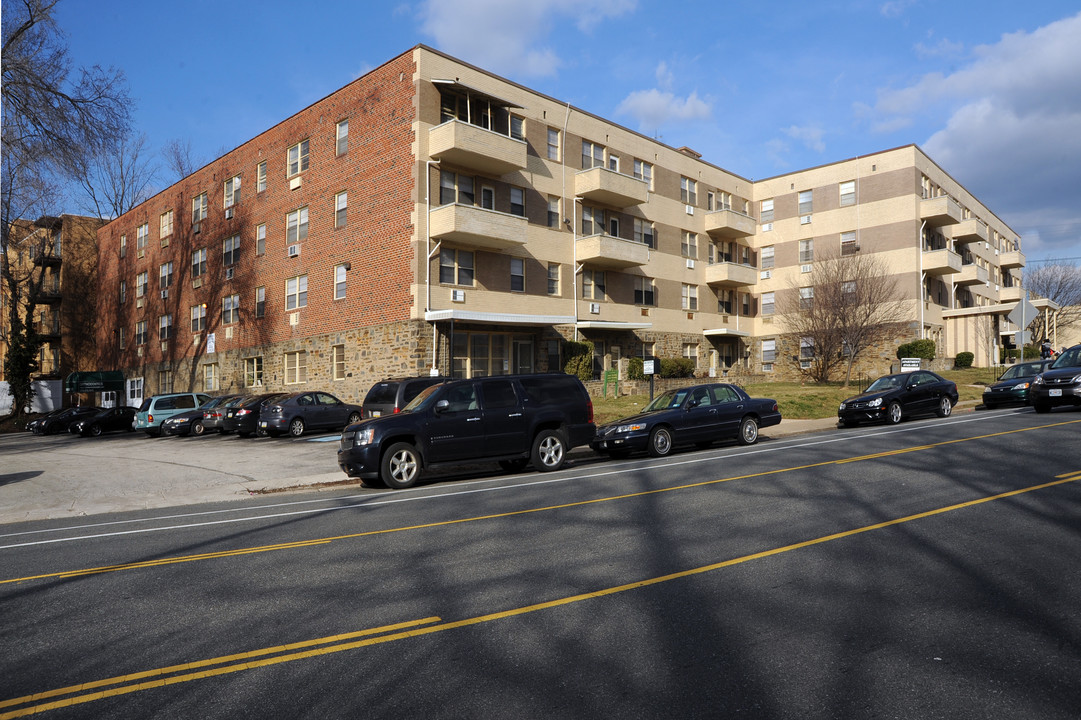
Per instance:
(895,8)
(511,38)
(654,108)
(811,137)
(943,48)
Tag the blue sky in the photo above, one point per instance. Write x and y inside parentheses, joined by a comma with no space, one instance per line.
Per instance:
(991,90)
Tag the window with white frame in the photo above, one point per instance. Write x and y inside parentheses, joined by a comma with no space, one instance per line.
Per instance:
(260,301)
(296,226)
(296,292)
(688,191)
(341,204)
(689,297)
(165,327)
(140,332)
(341,138)
(123,291)
(769,354)
(198,208)
(456,267)
(688,244)
(644,232)
(198,318)
(613,226)
(768,303)
(848,243)
(644,171)
(553,144)
(766,257)
(487,197)
(260,239)
(645,350)
(253,371)
(592,155)
(230,250)
(296,367)
(690,351)
(553,279)
(517,201)
(198,262)
(141,234)
(613,163)
(231,192)
(806,251)
(553,211)
(517,127)
(806,202)
(456,188)
(123,245)
(165,275)
(645,292)
(337,362)
(593,284)
(141,281)
(165,381)
(120,337)
(165,223)
(211,377)
(848,193)
(806,348)
(517,275)
(339,281)
(766,215)
(806,298)
(297,158)
(230,309)
(260,177)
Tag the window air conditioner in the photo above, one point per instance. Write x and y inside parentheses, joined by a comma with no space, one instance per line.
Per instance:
(595,308)
(457,295)
(164,294)
(804,219)
(690,264)
(689,209)
(229,272)
(294,250)
(294,318)
(295,183)
(805,268)
(138,302)
(196,282)
(767,227)
(766,274)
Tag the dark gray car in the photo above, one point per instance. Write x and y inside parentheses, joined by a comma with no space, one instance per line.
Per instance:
(312,410)
(389,396)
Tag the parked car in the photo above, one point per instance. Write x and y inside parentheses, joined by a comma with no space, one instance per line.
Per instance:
(510,419)
(108,420)
(389,396)
(159,408)
(1012,385)
(34,426)
(190,422)
(1060,383)
(242,417)
(307,411)
(213,417)
(698,414)
(59,422)
(894,397)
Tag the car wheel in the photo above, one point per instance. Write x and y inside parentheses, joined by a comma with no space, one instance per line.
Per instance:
(197,428)
(296,427)
(400,467)
(353,418)
(549,451)
(748,431)
(660,442)
(893,413)
(513,466)
(945,407)
(95,430)
(1042,407)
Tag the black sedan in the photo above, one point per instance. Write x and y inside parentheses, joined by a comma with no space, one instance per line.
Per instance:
(697,414)
(242,417)
(109,420)
(895,397)
(34,426)
(191,422)
(61,421)
(307,411)
(1012,385)
(1060,383)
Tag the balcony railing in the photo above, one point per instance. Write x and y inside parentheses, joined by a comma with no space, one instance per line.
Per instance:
(470,146)
(1012,259)
(729,224)
(729,274)
(941,262)
(1009,294)
(477,227)
(939,211)
(966,231)
(605,251)
(971,275)
(608,187)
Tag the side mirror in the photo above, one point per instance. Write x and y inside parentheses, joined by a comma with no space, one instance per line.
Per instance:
(441,406)
(692,403)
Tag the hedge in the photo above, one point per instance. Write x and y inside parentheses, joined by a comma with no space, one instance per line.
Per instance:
(918,349)
(579,357)
(963,360)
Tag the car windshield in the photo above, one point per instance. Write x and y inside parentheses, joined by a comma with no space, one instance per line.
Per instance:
(1070,358)
(1020,371)
(422,400)
(889,382)
(670,399)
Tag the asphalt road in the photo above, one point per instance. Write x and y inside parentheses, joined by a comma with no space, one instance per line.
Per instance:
(921,571)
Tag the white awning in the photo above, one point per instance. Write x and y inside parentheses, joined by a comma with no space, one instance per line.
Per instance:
(603,325)
(721,332)
(498,318)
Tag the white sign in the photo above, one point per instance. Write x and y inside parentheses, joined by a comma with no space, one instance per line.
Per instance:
(910,364)
(211,341)
(647,367)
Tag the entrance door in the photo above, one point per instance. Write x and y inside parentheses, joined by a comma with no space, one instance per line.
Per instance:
(133,388)
(523,355)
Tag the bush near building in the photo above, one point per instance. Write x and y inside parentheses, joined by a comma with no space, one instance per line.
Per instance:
(963,360)
(924,349)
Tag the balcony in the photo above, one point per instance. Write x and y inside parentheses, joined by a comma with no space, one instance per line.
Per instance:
(470,146)
(605,251)
(729,224)
(728,274)
(939,211)
(47,258)
(1012,259)
(971,275)
(966,231)
(1009,294)
(607,187)
(941,262)
(477,227)
(48,329)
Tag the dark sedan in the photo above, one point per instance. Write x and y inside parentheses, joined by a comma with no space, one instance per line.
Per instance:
(1012,385)
(61,421)
(190,422)
(34,426)
(697,414)
(1059,384)
(894,397)
(307,411)
(215,416)
(242,417)
(110,420)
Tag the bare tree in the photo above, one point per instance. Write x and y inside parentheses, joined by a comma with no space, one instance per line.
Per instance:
(179,158)
(1060,283)
(53,120)
(118,178)
(846,305)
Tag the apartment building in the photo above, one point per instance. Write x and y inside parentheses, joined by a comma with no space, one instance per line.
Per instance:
(434,216)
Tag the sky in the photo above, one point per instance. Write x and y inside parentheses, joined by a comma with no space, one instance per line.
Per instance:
(991,90)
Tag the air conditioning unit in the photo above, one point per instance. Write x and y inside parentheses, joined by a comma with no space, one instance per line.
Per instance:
(766,227)
(228,333)
(139,352)
(805,268)
(690,264)
(294,250)
(195,228)
(595,308)
(140,252)
(294,318)
(228,213)
(294,183)
(765,275)
(689,209)
(164,294)
(229,272)
(196,282)
(165,346)
(804,219)
(165,242)
(138,302)
(457,295)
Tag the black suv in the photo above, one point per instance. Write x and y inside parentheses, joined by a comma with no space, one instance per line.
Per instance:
(512,419)
(389,396)
(1059,384)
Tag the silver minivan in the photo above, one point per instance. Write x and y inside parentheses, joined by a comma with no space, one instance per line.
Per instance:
(161,407)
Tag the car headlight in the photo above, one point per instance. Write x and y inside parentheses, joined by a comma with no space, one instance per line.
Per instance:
(630,428)
(875,403)
(364,436)
(1038,380)
(842,407)
(1076,379)
(1021,386)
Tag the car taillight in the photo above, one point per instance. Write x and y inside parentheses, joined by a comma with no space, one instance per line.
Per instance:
(397,410)
(589,404)
(150,418)
(243,412)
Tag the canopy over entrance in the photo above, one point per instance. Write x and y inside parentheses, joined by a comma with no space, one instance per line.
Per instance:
(91,382)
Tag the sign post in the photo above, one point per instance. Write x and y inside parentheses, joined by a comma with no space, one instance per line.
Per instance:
(647,369)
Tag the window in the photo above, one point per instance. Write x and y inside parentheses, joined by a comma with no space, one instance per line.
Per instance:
(724,301)
(165,275)
(141,281)
(341,203)
(141,234)
(553,144)
(592,155)
(767,211)
(253,371)
(210,377)
(337,362)
(123,291)
(198,318)
(230,309)
(517,275)
(848,290)
(848,193)
(645,292)
(592,221)
(297,158)
(806,298)
(456,267)
(296,292)
(806,251)
(165,381)
(746,297)
(455,188)
(645,350)
(517,201)
(688,191)
(198,209)
(165,327)
(517,127)
(260,301)
(644,171)
(232,191)
(767,303)
(339,281)
(690,351)
(296,367)
(769,354)
(296,226)
(260,177)
(806,348)
(593,284)
(260,239)
(198,262)
(710,201)
(688,244)
(689,297)
(766,257)
(553,278)
(140,332)
(230,250)
(848,243)
(487,198)
(553,211)
(613,226)
(120,337)
(341,138)
(613,163)
(165,222)
(806,202)
(644,232)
